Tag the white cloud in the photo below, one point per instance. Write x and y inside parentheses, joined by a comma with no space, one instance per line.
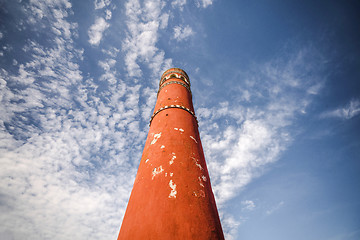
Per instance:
(143,23)
(248,205)
(110,75)
(178,3)
(107,64)
(151,97)
(112,52)
(96,31)
(57,11)
(349,111)
(230,226)
(54,191)
(275,208)
(241,140)
(315,89)
(64,154)
(108,14)
(99,4)
(203,3)
(182,33)
(255,144)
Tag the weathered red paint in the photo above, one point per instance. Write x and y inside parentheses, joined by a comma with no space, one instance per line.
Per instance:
(172,196)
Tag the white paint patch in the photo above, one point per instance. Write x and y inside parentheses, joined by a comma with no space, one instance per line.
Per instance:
(146,160)
(201,193)
(171,174)
(179,129)
(162,146)
(156,137)
(166,174)
(157,171)
(204,178)
(197,163)
(173,192)
(199,166)
(200,182)
(172,159)
(193,139)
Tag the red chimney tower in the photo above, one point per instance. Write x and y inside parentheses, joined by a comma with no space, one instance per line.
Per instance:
(172,196)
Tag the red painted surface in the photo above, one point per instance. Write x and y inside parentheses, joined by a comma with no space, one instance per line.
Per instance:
(172,196)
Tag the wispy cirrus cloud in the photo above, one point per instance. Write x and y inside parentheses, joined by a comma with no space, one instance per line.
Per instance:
(259,132)
(275,208)
(248,205)
(182,33)
(349,111)
(242,138)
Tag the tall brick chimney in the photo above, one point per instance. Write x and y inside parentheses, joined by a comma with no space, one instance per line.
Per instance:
(172,197)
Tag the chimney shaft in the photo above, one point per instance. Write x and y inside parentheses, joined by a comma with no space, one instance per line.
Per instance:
(172,197)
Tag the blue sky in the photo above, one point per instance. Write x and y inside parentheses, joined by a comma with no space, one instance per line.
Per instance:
(275,87)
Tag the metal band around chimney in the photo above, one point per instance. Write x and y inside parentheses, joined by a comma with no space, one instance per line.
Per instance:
(173,106)
(177,72)
(176,82)
(168,77)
